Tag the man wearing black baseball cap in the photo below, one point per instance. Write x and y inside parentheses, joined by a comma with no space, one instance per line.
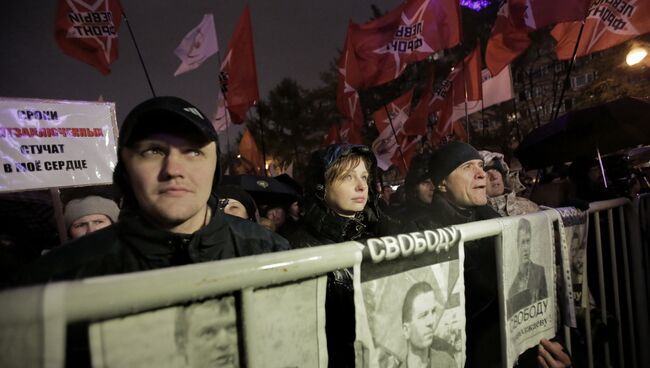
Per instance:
(168,166)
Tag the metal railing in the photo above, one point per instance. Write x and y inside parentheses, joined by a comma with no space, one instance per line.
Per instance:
(119,295)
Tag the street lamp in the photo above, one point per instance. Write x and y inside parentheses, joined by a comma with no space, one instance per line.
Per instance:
(635,56)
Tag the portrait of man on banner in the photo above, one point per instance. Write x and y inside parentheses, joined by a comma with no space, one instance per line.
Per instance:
(415,318)
(529,285)
(193,335)
(206,334)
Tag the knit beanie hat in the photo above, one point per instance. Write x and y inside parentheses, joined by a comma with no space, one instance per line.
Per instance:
(237,193)
(447,158)
(91,205)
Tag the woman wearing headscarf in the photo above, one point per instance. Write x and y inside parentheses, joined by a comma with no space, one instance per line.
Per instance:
(340,205)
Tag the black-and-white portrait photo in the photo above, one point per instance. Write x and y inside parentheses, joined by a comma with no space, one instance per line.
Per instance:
(529,285)
(196,335)
(411,317)
(528,288)
(206,334)
(422,310)
(577,237)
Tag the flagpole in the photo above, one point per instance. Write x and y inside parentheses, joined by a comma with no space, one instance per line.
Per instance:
(144,67)
(399,146)
(223,87)
(262,134)
(568,72)
(465,88)
(483,115)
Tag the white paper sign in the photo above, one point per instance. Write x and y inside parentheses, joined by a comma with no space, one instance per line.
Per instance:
(47,143)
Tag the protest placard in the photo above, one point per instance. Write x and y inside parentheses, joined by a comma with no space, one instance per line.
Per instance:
(48,143)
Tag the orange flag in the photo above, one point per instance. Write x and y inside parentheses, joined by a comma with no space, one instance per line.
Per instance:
(608,24)
(89,32)
(250,153)
(238,73)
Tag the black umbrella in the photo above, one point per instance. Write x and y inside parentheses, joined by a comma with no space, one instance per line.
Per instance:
(265,190)
(618,124)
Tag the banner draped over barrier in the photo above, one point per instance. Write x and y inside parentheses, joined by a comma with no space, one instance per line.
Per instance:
(409,295)
(527,289)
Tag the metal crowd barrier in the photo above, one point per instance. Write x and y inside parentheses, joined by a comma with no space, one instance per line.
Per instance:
(119,295)
(618,231)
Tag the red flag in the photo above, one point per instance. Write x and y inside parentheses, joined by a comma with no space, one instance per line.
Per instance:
(333,136)
(385,145)
(250,154)
(419,117)
(449,95)
(89,32)
(349,78)
(238,73)
(409,145)
(470,79)
(608,24)
(350,132)
(409,33)
(516,18)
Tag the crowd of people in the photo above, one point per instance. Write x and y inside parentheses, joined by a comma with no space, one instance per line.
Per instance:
(174,211)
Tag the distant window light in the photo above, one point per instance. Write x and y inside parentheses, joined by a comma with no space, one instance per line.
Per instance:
(475,4)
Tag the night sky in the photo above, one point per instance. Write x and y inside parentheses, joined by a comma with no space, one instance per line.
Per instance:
(293,38)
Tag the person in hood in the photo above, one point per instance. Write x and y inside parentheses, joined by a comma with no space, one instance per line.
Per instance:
(501,193)
(235,201)
(167,169)
(419,191)
(340,205)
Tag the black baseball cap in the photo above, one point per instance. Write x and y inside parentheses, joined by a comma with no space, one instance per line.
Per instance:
(165,114)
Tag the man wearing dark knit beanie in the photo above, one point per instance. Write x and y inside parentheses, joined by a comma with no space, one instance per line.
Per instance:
(456,170)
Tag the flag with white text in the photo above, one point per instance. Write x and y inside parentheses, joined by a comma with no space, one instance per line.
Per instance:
(608,24)
(88,32)
(409,33)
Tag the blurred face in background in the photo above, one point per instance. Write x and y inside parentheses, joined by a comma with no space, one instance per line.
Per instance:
(87,224)
(495,186)
(235,208)
(424,191)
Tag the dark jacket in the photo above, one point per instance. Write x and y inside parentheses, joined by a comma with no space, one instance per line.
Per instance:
(481,302)
(416,215)
(133,244)
(322,226)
